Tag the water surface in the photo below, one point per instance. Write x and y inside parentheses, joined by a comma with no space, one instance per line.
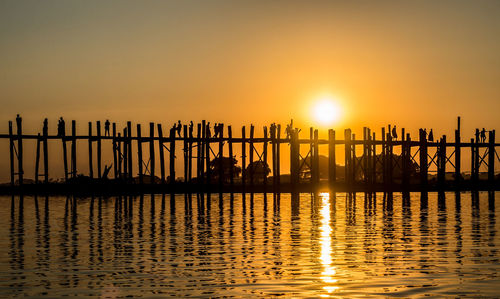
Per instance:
(334,245)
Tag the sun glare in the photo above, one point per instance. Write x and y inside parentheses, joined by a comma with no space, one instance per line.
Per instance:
(326,111)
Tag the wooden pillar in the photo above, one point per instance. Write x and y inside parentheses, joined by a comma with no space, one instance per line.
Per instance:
(73,149)
(202,153)
(311,155)
(161,153)
(264,155)
(332,166)
(441,161)
(37,159)
(139,153)
(199,149)
(91,162)
(207,154)
(115,154)
(383,154)
(46,151)
(472,160)
(243,159)
(390,158)
(20,170)
(152,152)
(251,166)
(364,159)
(231,166)
(273,156)
(374,159)
(221,156)
(347,150)
(278,147)
(119,155)
(172,156)
(458,159)
(185,152)
(491,158)
(190,154)
(65,151)
(11,152)
(315,161)
(294,159)
(99,150)
(354,163)
(406,160)
(423,159)
(125,154)
(129,150)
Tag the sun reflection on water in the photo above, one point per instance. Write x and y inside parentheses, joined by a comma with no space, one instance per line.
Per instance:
(329,271)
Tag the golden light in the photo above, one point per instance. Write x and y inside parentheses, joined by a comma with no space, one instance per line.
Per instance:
(326,110)
(329,270)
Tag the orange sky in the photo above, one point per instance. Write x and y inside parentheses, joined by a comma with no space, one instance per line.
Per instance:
(414,64)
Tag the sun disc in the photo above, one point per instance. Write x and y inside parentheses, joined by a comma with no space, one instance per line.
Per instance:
(326,111)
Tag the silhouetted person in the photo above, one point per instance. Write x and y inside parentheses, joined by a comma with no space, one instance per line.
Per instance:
(425,133)
(191,127)
(60,127)
(45,127)
(483,135)
(394,133)
(106,127)
(179,127)
(431,136)
(207,133)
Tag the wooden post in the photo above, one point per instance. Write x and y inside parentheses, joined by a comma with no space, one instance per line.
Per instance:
(65,151)
(91,163)
(129,151)
(115,156)
(458,161)
(315,162)
(190,153)
(73,149)
(441,161)
(152,152)
(491,158)
(139,153)
(99,150)
(172,156)
(311,155)
(278,147)
(201,161)
(231,166)
(37,159)
(365,154)
(406,160)
(472,160)
(476,156)
(199,147)
(423,158)
(207,154)
(332,166)
(11,148)
(264,156)
(20,171)
(125,154)
(251,166)
(221,156)
(161,153)
(294,159)
(119,154)
(243,159)
(46,151)
(185,151)
(347,150)
(273,156)
(354,163)
(390,158)
(383,154)
(374,159)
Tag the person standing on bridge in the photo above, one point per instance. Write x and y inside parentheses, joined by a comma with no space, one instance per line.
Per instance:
(106,127)
(394,133)
(431,136)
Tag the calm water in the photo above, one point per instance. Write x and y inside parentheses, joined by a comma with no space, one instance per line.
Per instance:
(445,245)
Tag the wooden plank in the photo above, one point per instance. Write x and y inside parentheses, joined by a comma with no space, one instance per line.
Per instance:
(161,153)
(91,162)
(139,154)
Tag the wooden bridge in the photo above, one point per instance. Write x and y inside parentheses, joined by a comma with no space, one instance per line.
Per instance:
(420,165)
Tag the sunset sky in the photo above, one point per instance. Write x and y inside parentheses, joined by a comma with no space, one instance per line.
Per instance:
(414,64)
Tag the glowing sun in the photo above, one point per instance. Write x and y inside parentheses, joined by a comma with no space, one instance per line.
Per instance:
(326,111)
